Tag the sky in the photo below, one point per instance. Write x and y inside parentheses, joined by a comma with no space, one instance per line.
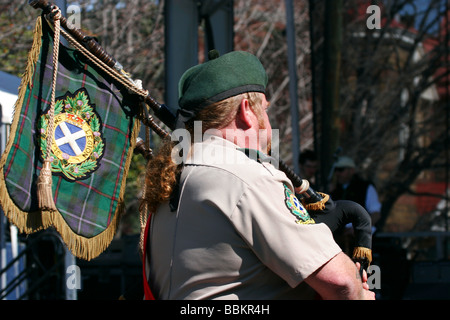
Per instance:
(419,7)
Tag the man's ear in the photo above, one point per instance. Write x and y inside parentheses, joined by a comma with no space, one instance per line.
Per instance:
(244,115)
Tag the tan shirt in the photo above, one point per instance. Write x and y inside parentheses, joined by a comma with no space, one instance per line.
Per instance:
(237,232)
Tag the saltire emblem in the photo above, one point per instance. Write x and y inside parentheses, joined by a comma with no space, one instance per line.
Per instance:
(77,142)
(296,208)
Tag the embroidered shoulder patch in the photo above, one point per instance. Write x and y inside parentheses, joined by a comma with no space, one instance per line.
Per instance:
(77,142)
(296,208)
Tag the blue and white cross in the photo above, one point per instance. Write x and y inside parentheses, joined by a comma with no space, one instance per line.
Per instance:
(70,139)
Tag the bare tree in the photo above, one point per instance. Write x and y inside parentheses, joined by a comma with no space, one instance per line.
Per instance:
(133,33)
(394,118)
(260,27)
(16,35)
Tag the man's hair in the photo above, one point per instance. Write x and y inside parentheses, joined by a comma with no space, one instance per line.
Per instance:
(307,155)
(163,173)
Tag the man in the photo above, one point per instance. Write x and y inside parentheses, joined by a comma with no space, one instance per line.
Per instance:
(308,166)
(224,225)
(351,186)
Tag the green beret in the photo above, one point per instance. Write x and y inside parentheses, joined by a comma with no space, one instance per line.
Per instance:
(220,78)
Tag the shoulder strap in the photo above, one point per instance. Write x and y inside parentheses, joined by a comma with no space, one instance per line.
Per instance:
(256,155)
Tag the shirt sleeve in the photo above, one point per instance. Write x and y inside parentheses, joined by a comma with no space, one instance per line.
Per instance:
(372,202)
(282,237)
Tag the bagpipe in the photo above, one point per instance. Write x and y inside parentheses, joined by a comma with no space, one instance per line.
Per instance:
(74,131)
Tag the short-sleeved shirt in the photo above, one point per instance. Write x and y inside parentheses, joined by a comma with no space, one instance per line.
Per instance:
(238,232)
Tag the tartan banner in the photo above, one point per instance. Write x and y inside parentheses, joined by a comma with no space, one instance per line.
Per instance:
(95,130)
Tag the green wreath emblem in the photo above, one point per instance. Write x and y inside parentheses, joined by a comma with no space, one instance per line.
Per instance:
(77,142)
(296,208)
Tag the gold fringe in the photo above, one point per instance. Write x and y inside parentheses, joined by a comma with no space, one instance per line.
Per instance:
(27,77)
(33,55)
(29,222)
(26,222)
(361,252)
(82,247)
(317,206)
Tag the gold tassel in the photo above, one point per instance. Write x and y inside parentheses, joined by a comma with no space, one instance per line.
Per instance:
(44,187)
(362,253)
(319,205)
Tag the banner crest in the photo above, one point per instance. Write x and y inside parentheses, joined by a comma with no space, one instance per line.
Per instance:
(77,136)
(92,141)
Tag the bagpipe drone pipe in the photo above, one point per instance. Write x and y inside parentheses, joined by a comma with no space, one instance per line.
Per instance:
(76,109)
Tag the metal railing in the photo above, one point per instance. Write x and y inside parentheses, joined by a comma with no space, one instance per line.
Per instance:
(36,273)
(408,240)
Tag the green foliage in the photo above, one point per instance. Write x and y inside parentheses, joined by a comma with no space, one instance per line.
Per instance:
(16,35)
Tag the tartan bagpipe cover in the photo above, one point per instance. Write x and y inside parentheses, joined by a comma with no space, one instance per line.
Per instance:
(95,130)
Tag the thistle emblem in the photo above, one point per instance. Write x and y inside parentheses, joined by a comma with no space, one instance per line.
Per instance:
(77,142)
(296,208)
